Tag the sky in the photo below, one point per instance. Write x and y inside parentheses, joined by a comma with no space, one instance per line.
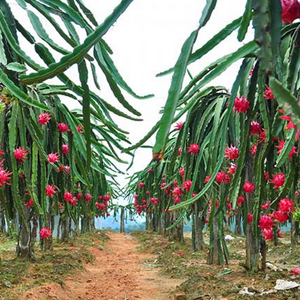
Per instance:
(146,40)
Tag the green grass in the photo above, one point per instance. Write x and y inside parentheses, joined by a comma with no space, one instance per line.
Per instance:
(6,243)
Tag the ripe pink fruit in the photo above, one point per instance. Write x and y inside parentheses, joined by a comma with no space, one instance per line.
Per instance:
(240,200)
(65,148)
(266,205)
(250,218)
(290,10)
(141,184)
(286,205)
(241,105)
(63,127)
(295,271)
(20,153)
(179,125)
(253,149)
(74,201)
(106,198)
(177,200)
(220,177)
(44,118)
(87,197)
(177,191)
(249,187)
(207,178)
(181,171)
(193,148)
(29,203)
(50,190)
(232,152)
(53,157)
(232,168)
(187,185)
(280,216)
(265,222)
(268,94)
(254,127)
(268,234)
(179,151)
(278,180)
(4,176)
(79,129)
(45,233)
(68,196)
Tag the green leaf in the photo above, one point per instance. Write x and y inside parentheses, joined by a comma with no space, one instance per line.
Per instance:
(144,139)
(174,92)
(14,90)
(83,75)
(209,45)
(63,9)
(294,61)
(34,180)
(41,9)
(16,67)
(276,25)
(286,187)
(224,272)
(87,12)
(22,3)
(244,135)
(113,85)
(94,72)
(223,128)
(288,145)
(51,91)
(82,169)
(249,48)
(12,139)
(14,45)
(41,32)
(27,35)
(3,59)
(286,100)
(79,51)
(178,219)
(245,21)
(117,77)
(96,101)
(261,24)
(72,31)
(213,146)
(207,11)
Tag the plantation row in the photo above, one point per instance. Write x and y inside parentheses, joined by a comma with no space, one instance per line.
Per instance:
(56,163)
(232,158)
(234,161)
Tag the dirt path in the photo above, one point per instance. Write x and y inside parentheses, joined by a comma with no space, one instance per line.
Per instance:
(118,273)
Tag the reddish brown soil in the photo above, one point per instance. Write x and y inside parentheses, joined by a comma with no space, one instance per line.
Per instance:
(120,272)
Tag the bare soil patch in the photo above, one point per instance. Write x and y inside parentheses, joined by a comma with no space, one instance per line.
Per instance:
(119,271)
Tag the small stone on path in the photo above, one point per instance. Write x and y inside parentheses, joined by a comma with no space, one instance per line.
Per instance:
(180,297)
